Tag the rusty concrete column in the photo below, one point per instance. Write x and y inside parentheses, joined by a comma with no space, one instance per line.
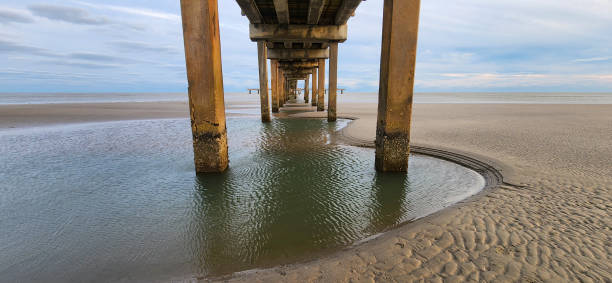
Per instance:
(306,91)
(397,65)
(205,78)
(263,81)
(274,84)
(313,101)
(321,88)
(333,81)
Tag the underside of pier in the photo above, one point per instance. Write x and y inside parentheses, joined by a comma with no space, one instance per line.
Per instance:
(299,37)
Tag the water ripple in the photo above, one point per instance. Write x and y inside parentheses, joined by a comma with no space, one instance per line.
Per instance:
(110,201)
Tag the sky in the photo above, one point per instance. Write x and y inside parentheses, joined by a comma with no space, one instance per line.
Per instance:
(464,46)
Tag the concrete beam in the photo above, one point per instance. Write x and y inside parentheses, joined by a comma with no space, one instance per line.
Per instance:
(302,33)
(315,9)
(282,11)
(249,8)
(297,75)
(346,10)
(298,71)
(302,65)
(290,54)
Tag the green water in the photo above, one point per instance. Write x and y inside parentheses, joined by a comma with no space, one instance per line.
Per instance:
(119,201)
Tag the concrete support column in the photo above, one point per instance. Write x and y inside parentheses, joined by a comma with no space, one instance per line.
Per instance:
(333,81)
(274,86)
(314,87)
(321,88)
(306,92)
(281,88)
(205,78)
(397,65)
(263,81)
(287,89)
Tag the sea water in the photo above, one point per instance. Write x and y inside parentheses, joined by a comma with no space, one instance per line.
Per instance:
(114,201)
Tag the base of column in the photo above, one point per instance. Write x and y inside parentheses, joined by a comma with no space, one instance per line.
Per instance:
(210,153)
(392,151)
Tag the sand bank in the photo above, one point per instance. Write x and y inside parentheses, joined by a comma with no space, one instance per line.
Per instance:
(35,115)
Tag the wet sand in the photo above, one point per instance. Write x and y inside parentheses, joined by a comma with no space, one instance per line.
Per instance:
(550,220)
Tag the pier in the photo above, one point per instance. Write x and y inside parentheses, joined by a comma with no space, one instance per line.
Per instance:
(299,38)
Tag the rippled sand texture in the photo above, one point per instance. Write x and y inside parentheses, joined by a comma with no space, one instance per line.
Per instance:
(551,224)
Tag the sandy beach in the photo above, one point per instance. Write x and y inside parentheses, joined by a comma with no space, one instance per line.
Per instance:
(550,220)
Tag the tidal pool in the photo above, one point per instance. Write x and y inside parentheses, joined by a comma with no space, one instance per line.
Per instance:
(120,201)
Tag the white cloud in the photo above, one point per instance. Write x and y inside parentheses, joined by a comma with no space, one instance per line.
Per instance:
(511,81)
(595,59)
(67,14)
(9,15)
(134,11)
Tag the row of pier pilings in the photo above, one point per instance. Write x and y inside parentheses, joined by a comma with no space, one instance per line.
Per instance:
(275,42)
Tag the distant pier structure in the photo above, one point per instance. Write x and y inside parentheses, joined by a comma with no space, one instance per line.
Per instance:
(299,37)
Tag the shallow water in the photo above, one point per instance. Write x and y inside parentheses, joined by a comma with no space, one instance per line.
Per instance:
(120,201)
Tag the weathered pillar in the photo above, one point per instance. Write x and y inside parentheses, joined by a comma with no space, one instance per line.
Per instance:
(397,65)
(205,78)
(263,80)
(287,89)
(314,87)
(274,82)
(281,88)
(306,88)
(321,88)
(333,81)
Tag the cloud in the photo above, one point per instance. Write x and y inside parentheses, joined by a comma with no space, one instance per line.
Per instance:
(78,64)
(14,16)
(134,11)
(14,47)
(488,81)
(67,14)
(143,46)
(595,59)
(93,57)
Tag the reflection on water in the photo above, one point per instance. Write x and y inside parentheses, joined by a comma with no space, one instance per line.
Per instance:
(120,201)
